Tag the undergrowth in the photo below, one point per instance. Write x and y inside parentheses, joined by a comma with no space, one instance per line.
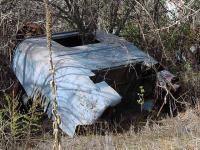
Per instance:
(18,123)
(176,45)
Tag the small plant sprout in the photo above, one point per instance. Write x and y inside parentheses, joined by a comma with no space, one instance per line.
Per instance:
(141,96)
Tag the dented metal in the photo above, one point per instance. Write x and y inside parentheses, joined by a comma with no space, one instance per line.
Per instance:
(81,100)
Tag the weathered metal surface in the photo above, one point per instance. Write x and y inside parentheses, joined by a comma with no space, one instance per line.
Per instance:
(80,100)
(165,78)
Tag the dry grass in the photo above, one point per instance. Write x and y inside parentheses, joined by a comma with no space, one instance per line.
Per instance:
(181,132)
(161,38)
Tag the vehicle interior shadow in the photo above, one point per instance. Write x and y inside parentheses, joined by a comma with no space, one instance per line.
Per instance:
(119,119)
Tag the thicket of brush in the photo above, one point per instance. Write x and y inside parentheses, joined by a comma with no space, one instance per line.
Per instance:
(174,42)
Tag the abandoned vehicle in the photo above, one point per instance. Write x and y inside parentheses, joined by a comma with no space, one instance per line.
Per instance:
(91,76)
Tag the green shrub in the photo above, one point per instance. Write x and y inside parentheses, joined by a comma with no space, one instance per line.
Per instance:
(19,122)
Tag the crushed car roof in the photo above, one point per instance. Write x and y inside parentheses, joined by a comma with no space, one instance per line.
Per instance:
(80,100)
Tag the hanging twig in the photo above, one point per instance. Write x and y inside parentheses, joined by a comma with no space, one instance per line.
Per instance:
(56,116)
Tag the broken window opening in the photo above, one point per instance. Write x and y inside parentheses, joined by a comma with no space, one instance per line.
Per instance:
(126,81)
(73,39)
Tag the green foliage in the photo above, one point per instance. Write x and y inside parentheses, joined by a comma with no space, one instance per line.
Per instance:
(132,33)
(141,96)
(20,124)
(181,37)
